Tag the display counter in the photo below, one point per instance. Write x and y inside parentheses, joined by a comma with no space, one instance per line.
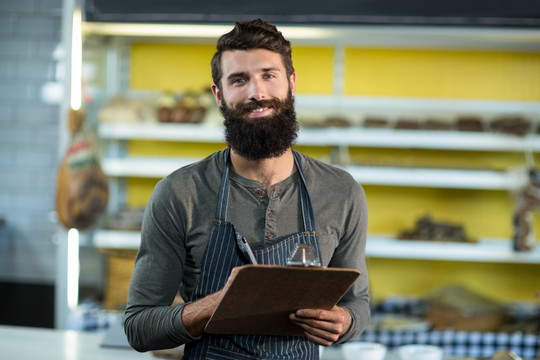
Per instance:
(25,343)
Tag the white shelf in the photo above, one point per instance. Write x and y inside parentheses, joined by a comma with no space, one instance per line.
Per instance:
(418,139)
(485,250)
(161,132)
(432,106)
(438,178)
(117,239)
(159,167)
(143,166)
(354,136)
(365,35)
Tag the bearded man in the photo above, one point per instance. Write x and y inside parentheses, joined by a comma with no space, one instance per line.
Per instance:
(258,187)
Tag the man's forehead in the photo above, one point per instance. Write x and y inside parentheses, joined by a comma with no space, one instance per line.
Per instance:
(250,60)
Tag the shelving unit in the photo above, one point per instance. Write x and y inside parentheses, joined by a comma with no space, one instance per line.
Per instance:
(118,166)
(153,167)
(485,250)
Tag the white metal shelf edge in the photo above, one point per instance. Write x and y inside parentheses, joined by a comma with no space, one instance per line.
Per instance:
(161,131)
(419,105)
(390,35)
(368,137)
(486,250)
(146,167)
(419,139)
(158,167)
(439,178)
(117,239)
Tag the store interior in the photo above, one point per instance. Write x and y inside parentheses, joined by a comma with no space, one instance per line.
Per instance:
(439,123)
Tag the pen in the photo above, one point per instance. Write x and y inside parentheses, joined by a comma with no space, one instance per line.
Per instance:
(250,253)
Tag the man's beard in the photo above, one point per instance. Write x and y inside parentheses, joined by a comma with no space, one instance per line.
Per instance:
(262,137)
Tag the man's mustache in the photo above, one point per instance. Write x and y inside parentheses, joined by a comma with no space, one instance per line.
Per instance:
(255,104)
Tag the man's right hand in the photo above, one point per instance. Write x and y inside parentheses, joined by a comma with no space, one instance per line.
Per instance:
(196,315)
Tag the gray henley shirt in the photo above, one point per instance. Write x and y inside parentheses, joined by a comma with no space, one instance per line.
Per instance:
(178,221)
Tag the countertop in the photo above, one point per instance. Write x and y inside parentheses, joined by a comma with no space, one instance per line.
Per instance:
(26,343)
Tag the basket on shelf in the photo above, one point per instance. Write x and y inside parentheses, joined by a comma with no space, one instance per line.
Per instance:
(119,270)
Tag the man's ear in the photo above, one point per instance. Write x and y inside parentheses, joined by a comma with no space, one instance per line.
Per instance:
(217,94)
(292,82)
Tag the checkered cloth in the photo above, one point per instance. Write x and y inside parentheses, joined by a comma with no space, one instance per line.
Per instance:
(454,342)
(459,343)
(91,317)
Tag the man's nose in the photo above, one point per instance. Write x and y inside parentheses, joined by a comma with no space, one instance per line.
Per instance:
(257,89)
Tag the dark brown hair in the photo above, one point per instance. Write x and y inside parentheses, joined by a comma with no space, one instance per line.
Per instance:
(247,35)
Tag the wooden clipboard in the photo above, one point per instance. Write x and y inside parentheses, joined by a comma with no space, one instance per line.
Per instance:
(261,297)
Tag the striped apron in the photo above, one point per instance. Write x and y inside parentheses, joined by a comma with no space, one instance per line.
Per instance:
(223,253)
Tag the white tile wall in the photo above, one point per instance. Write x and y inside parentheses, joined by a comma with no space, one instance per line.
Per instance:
(29,32)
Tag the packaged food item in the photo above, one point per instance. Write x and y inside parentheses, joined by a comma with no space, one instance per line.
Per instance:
(527,200)
(428,229)
(470,123)
(458,308)
(82,188)
(513,125)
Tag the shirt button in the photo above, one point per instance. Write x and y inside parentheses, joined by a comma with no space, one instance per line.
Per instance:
(261,192)
(269,235)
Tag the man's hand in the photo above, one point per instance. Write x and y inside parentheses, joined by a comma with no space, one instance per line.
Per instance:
(195,315)
(323,327)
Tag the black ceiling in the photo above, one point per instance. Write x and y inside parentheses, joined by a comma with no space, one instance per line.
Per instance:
(494,13)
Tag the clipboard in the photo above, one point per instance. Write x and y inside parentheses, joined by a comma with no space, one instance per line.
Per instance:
(261,297)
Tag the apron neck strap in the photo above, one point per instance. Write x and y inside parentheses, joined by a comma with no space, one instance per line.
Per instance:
(307,209)
(223,198)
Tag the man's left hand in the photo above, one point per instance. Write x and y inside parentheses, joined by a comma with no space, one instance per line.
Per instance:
(323,326)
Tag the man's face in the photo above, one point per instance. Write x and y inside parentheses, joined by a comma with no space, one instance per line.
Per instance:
(256,74)
(256,100)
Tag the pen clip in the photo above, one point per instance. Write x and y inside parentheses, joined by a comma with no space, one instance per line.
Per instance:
(247,249)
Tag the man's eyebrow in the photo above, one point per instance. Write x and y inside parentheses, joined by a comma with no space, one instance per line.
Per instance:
(242,74)
(236,75)
(270,69)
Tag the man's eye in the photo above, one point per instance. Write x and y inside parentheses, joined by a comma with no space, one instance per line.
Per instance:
(268,76)
(238,81)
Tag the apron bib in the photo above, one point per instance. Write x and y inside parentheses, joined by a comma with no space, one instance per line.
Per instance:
(222,253)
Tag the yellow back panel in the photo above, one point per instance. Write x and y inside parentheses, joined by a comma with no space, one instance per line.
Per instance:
(442,74)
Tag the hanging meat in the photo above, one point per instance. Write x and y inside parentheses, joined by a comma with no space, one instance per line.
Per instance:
(81,189)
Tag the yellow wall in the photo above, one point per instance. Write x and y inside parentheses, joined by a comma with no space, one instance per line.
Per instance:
(501,282)
(174,67)
(443,74)
(186,67)
(387,72)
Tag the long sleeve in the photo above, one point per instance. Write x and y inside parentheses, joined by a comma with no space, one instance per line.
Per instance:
(351,254)
(150,322)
